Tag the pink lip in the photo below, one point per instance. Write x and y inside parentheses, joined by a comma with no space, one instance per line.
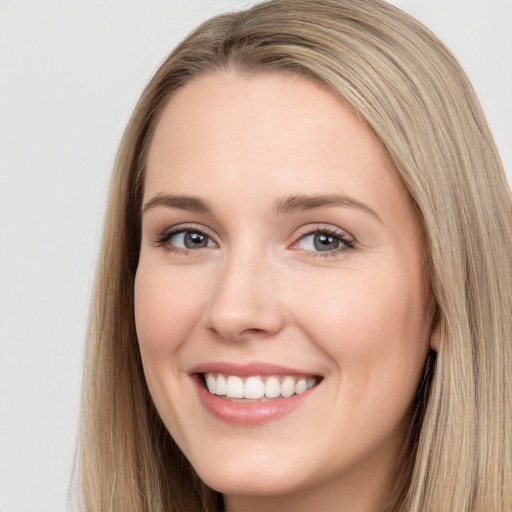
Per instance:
(246,370)
(247,413)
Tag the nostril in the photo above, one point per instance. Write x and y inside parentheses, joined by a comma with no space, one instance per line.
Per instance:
(253,332)
(240,330)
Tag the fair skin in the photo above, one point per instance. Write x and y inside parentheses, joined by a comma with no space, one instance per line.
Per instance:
(275,232)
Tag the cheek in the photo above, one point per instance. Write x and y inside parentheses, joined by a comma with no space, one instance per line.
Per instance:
(166,307)
(167,310)
(371,324)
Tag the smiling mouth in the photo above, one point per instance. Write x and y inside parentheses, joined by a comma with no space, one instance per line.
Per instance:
(258,387)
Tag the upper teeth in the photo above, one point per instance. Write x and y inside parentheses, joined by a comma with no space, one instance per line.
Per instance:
(257,387)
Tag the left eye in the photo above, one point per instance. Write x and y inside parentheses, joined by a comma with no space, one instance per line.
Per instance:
(191,240)
(321,241)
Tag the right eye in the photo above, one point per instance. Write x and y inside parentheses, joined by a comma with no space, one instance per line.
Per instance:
(188,239)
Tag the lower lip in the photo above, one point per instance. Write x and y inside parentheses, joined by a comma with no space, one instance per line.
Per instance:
(249,414)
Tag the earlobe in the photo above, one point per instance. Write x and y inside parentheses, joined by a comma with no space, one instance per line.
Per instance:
(435,336)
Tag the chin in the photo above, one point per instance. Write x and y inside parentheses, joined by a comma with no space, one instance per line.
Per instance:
(251,477)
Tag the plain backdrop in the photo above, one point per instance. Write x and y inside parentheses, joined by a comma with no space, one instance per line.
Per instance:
(70,74)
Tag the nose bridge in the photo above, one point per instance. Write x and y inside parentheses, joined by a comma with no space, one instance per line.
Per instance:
(244,300)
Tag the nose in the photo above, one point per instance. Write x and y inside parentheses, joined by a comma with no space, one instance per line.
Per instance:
(244,301)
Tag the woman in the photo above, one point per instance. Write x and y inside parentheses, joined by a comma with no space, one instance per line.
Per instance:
(304,294)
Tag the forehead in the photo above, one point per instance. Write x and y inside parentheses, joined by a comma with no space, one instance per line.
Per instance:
(269,133)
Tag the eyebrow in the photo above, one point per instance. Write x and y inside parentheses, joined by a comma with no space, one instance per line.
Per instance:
(188,203)
(291,204)
(306,202)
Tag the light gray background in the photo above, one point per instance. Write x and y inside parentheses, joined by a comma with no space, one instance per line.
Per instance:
(70,74)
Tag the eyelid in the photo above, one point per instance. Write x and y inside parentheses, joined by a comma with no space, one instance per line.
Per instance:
(348,241)
(163,237)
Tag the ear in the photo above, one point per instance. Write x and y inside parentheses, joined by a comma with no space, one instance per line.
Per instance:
(435,335)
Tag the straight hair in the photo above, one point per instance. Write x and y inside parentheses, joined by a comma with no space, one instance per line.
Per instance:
(401,81)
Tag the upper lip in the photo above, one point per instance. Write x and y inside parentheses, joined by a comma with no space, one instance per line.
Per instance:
(247,369)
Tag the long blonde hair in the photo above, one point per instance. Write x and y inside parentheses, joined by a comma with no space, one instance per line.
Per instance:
(404,84)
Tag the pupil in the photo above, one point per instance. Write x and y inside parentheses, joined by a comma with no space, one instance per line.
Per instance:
(194,240)
(324,242)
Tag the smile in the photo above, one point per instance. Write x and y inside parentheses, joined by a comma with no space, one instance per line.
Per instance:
(252,394)
(261,388)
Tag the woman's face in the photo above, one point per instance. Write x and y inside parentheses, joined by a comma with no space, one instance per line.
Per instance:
(282,264)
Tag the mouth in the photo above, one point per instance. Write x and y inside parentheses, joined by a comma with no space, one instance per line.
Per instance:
(252,394)
(260,388)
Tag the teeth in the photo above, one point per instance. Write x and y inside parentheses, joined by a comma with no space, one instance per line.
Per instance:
(256,388)
(234,387)
(220,385)
(272,387)
(211,383)
(288,387)
(300,386)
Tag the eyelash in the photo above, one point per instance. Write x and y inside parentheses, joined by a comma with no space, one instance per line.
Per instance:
(164,238)
(347,242)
